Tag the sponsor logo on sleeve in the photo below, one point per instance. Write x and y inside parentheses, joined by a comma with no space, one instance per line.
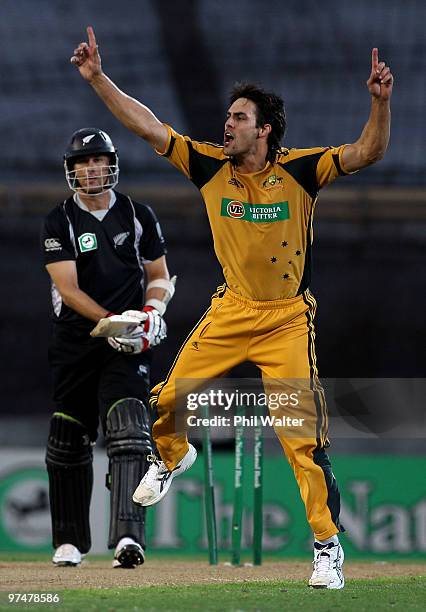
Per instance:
(87,242)
(255,213)
(52,244)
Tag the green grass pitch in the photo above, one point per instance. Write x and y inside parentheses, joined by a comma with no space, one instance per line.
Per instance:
(399,594)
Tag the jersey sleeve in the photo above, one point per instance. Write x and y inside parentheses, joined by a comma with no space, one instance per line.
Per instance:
(152,244)
(56,242)
(330,166)
(313,168)
(198,161)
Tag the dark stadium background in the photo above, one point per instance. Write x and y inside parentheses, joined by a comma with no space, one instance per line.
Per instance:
(181,59)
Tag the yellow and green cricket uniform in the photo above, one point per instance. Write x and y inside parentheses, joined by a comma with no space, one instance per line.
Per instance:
(264,313)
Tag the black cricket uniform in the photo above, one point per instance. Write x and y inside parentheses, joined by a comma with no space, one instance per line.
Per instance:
(89,376)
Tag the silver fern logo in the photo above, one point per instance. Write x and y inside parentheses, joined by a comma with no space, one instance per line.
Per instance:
(87,139)
(120,238)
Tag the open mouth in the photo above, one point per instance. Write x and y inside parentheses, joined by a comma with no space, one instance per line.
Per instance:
(227,138)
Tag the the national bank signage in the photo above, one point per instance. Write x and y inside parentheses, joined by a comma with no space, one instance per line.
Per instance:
(383,507)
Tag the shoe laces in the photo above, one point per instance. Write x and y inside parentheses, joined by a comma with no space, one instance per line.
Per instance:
(322,562)
(151,458)
(157,470)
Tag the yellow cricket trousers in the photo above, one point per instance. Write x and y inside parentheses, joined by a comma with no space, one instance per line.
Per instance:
(278,336)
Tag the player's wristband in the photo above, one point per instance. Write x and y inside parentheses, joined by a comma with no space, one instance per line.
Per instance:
(155,304)
(168,286)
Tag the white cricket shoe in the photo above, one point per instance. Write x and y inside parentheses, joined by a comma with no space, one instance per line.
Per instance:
(156,482)
(66,555)
(128,554)
(328,561)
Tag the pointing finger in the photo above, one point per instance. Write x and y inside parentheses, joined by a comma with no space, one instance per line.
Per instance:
(374,58)
(91,37)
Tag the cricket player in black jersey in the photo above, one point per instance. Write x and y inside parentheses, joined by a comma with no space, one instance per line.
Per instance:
(99,247)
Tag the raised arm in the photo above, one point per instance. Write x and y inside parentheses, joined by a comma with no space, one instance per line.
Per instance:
(134,115)
(373,142)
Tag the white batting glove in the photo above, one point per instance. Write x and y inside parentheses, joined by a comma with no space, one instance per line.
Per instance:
(131,346)
(150,332)
(154,328)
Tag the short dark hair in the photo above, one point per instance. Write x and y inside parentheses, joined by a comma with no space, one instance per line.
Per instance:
(270,109)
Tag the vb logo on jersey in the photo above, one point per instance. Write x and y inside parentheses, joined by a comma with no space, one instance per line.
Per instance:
(255,213)
(235,209)
(87,242)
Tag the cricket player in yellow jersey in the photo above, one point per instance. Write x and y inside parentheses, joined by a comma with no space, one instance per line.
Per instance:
(260,201)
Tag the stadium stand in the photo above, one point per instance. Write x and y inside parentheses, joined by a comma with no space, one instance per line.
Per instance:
(183,57)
